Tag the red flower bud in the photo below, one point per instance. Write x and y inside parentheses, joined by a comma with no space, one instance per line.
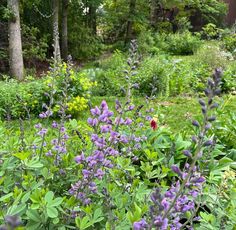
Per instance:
(153,123)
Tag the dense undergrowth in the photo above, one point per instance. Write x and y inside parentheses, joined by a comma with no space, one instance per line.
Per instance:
(73,157)
(125,168)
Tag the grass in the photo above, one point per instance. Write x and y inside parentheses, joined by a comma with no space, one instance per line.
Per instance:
(175,113)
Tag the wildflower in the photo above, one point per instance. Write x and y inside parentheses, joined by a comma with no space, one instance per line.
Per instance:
(54,124)
(140,225)
(153,123)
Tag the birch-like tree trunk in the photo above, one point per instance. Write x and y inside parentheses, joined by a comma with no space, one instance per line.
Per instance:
(15,44)
(56,44)
(64,33)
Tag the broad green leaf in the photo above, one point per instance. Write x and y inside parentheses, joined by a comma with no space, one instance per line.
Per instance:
(52,212)
(56,202)
(22,155)
(49,196)
(33,215)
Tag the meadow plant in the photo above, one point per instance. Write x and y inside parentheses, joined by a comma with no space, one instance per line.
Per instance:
(170,209)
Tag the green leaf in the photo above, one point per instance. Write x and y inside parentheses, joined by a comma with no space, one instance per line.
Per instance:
(52,212)
(56,221)
(22,155)
(33,225)
(33,215)
(56,202)
(25,197)
(84,223)
(49,196)
(34,163)
(6,196)
(13,210)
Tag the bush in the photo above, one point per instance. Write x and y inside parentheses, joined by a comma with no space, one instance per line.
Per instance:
(210,31)
(171,77)
(178,44)
(229,43)
(21,99)
(110,75)
(213,56)
(17,99)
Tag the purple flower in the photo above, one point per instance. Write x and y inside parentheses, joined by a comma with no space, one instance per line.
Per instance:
(105,128)
(176,169)
(131,107)
(104,105)
(49,153)
(128,121)
(99,174)
(80,158)
(42,132)
(119,121)
(54,124)
(165,204)
(140,225)
(92,122)
(96,111)
(38,126)
(86,173)
(124,139)
(159,222)
(93,187)
(63,129)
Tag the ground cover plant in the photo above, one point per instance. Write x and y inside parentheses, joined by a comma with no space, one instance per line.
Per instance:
(123,169)
(135,130)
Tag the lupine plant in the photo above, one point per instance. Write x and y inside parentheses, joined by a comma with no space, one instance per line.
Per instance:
(121,170)
(177,207)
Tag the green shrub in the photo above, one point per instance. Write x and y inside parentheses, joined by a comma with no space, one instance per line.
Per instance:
(229,79)
(110,75)
(21,99)
(17,99)
(171,77)
(211,31)
(229,43)
(34,47)
(178,44)
(213,56)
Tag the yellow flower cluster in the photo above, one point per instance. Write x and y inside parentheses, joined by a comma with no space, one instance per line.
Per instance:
(86,83)
(77,104)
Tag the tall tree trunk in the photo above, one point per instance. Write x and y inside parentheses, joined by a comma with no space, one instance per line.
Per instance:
(92,19)
(154,10)
(15,45)
(130,22)
(64,33)
(56,44)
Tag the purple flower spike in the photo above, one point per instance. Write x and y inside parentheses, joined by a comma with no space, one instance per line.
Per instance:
(96,111)
(128,121)
(140,225)
(176,169)
(99,174)
(104,105)
(79,159)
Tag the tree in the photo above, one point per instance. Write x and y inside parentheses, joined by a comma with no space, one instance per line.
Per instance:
(15,44)
(132,6)
(64,29)
(56,44)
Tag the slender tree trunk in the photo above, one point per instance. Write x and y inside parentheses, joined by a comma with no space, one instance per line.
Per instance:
(64,33)
(154,10)
(92,19)
(130,22)
(15,45)
(56,44)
